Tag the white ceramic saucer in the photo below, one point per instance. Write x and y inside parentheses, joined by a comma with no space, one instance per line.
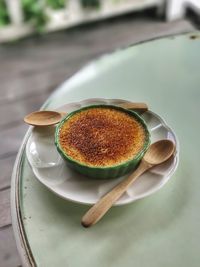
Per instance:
(51,170)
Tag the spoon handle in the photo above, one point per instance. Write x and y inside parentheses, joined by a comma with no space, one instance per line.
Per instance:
(138,107)
(94,214)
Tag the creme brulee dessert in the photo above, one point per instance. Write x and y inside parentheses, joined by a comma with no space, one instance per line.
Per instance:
(102,136)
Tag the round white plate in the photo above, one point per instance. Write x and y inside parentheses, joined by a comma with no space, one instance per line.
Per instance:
(51,170)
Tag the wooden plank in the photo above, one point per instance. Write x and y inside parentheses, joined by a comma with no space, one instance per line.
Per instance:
(24,86)
(41,56)
(11,140)
(6,167)
(5,217)
(31,85)
(16,112)
(9,256)
(37,64)
(12,126)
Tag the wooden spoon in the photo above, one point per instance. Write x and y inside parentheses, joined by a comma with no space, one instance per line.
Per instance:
(157,153)
(47,117)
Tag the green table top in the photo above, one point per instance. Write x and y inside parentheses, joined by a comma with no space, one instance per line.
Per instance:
(160,230)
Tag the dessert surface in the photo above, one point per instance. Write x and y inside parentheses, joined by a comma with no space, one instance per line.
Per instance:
(101,136)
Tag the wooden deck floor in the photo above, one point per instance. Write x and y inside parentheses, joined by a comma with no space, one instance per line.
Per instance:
(31,69)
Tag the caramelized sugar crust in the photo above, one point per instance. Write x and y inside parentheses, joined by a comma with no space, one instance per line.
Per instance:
(101,136)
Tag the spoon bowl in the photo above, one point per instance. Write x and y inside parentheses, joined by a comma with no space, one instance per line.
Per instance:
(43,118)
(159,152)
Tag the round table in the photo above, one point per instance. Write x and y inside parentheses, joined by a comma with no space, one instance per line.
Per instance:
(160,230)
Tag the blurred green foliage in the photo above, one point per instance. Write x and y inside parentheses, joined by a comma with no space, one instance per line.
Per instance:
(4,18)
(34,13)
(56,4)
(34,10)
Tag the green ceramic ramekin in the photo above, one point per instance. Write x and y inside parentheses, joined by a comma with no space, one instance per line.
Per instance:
(110,171)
